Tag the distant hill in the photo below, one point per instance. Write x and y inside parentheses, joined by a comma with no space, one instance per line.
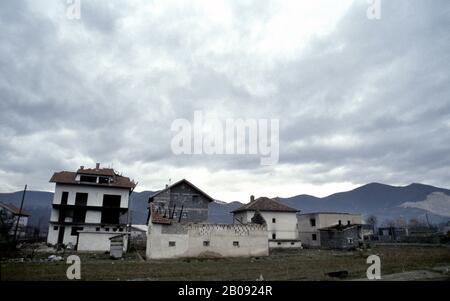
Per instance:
(384,201)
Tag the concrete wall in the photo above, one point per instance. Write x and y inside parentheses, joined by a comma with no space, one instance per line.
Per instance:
(189,240)
(284,226)
(183,195)
(306,230)
(97,241)
(274,244)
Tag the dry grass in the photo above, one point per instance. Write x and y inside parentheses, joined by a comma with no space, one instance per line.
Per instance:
(299,265)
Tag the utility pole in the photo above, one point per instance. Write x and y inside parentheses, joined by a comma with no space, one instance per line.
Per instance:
(20,214)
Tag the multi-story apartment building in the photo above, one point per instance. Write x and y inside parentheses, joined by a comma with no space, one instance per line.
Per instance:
(89,207)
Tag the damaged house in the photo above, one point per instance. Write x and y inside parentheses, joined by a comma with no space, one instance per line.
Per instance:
(330,230)
(89,207)
(281,220)
(177,228)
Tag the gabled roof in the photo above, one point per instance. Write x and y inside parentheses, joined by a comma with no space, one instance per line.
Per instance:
(13,209)
(185,182)
(265,204)
(69,177)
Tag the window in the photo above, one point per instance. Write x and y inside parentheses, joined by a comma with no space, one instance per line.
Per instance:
(120,229)
(107,229)
(111,209)
(114,229)
(348,222)
(279,243)
(292,243)
(74,231)
(350,240)
(274,220)
(195,198)
(314,237)
(274,236)
(103,180)
(312,222)
(97,229)
(81,199)
(172,244)
(89,179)
(235,244)
(64,197)
(340,222)
(206,243)
(55,228)
(184,215)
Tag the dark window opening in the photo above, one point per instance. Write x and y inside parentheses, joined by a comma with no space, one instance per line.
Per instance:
(312,222)
(172,244)
(348,222)
(292,243)
(274,236)
(340,222)
(314,237)
(55,228)
(89,179)
(107,229)
(112,201)
(81,199)
(111,212)
(103,180)
(274,220)
(114,229)
(120,230)
(206,243)
(74,231)
(235,243)
(64,198)
(97,229)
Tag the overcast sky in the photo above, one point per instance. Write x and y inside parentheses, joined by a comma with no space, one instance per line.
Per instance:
(358,100)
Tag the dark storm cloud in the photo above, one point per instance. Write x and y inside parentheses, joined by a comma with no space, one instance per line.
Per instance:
(368,101)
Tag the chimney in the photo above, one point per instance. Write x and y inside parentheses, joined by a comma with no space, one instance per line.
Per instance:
(252,198)
(81,167)
(97,166)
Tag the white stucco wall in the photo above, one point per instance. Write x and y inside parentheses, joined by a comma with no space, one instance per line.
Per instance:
(189,240)
(284,227)
(97,241)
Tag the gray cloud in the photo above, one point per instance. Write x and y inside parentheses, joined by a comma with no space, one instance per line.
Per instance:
(368,101)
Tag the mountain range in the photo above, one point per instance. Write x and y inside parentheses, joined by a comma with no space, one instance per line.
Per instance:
(419,201)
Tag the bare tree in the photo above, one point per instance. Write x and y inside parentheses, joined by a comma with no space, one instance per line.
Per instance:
(373,221)
(6,224)
(258,218)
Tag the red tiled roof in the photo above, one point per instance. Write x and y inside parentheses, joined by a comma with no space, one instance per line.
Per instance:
(68,177)
(265,204)
(14,209)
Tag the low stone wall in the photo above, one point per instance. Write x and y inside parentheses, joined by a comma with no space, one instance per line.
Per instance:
(210,240)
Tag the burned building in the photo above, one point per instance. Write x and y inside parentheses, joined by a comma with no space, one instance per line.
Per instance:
(341,236)
(89,206)
(182,201)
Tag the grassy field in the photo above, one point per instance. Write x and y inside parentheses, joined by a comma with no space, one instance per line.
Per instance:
(298,265)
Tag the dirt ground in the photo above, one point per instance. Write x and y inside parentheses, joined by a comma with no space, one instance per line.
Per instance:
(397,263)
